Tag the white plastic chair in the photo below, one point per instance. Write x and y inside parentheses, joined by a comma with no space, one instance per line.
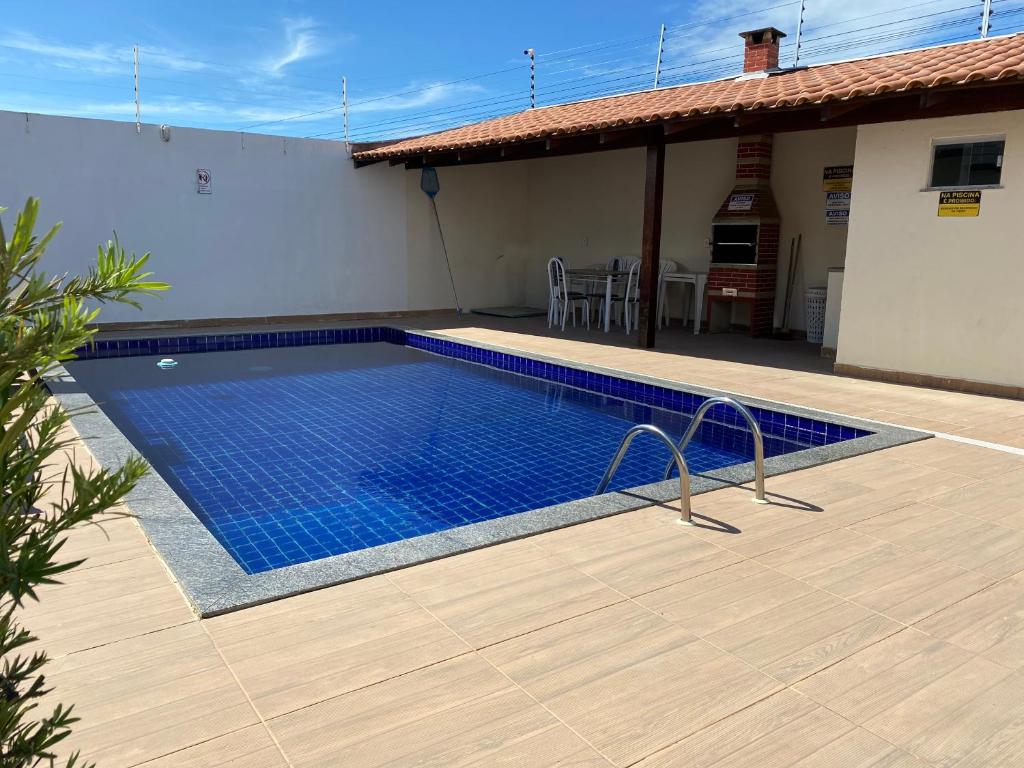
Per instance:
(624,263)
(630,299)
(665,267)
(561,299)
(592,289)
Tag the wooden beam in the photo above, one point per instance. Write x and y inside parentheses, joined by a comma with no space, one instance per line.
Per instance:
(745,120)
(650,249)
(835,109)
(687,124)
(561,141)
(930,98)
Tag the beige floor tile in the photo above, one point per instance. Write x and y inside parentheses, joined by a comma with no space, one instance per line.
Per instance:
(902,585)
(800,637)
(987,734)
(960,458)
(782,731)
(995,433)
(919,484)
(765,528)
(113,540)
(883,675)
(295,652)
(250,747)
(812,491)
(717,600)
(999,500)
(990,623)
(461,712)
(827,550)
(951,537)
(985,731)
(858,748)
(922,695)
(496,593)
(100,605)
(149,696)
(638,560)
(627,681)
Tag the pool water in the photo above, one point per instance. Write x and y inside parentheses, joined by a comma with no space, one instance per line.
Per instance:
(293,454)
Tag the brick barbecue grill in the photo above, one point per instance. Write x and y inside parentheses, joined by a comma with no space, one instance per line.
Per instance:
(745,231)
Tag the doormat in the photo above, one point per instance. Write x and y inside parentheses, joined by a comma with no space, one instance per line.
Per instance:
(510,311)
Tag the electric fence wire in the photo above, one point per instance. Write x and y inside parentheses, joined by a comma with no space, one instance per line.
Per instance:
(570,74)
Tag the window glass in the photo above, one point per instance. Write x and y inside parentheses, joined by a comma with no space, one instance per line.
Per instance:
(969,164)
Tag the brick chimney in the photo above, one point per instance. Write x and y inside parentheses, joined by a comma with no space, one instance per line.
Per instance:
(761,49)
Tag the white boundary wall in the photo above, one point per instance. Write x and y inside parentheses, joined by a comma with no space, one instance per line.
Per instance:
(291,227)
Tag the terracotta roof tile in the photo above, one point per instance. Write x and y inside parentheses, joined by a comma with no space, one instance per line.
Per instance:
(980,60)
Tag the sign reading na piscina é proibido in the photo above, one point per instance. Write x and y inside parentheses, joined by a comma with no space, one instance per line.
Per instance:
(960,204)
(837,178)
(741,201)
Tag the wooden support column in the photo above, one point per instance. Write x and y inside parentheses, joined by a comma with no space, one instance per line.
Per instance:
(650,250)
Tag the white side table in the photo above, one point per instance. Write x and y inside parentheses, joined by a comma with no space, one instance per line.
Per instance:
(699,281)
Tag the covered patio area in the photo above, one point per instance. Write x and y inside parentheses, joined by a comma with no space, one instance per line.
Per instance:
(745,185)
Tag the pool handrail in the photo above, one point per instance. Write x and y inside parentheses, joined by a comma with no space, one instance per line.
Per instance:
(677,458)
(755,428)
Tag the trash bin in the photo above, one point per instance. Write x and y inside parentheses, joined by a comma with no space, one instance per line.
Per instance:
(815,313)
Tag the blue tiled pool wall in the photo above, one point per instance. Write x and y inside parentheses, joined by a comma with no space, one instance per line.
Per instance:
(224,342)
(722,427)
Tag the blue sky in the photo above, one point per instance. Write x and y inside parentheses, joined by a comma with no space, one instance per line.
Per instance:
(275,66)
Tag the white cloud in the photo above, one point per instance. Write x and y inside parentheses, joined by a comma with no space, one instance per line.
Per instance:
(415,96)
(99,58)
(847,30)
(184,111)
(302,41)
(271,96)
(163,57)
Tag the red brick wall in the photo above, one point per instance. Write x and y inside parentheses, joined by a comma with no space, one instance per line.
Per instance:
(755,285)
(757,57)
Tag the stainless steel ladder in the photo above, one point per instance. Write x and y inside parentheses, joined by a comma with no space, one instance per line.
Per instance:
(677,458)
(755,429)
(677,453)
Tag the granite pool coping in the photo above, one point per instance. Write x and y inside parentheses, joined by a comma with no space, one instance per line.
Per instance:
(213,583)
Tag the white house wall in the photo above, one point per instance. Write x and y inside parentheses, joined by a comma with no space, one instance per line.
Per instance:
(481,210)
(798,162)
(589,208)
(930,295)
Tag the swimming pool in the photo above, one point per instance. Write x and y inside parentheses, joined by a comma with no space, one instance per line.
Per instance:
(295,449)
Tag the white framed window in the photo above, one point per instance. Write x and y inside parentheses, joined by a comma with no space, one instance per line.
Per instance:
(959,163)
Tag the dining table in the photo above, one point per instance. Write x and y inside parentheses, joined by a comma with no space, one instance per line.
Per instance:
(597,276)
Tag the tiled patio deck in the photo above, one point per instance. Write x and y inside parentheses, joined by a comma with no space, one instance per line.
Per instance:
(873,615)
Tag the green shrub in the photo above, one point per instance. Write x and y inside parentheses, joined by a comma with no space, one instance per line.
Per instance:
(42,321)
